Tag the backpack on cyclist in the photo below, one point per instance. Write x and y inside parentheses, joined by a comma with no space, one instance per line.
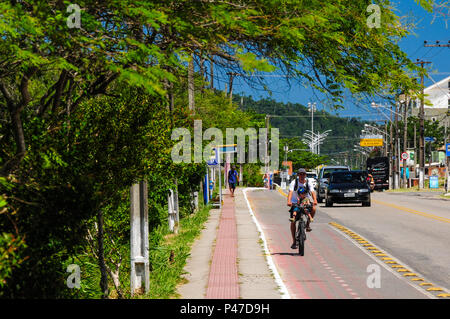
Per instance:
(306,184)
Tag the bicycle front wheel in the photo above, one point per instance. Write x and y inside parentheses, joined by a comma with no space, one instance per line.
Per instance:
(301,238)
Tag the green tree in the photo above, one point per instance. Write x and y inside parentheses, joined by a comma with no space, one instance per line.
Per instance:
(145,43)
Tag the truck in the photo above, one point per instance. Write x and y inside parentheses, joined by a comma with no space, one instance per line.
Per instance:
(378,167)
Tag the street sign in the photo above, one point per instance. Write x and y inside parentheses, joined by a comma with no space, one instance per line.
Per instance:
(434,182)
(214,159)
(404,156)
(231,148)
(447,149)
(371,140)
(429,139)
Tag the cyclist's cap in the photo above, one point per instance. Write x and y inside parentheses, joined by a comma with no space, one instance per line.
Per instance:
(301,170)
(301,190)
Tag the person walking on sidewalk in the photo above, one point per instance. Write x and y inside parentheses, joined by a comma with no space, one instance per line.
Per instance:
(233,178)
(300,181)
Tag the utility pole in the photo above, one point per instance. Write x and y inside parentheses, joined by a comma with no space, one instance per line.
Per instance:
(405,136)
(396,146)
(447,166)
(230,90)
(421,130)
(391,151)
(385,139)
(191,96)
(415,150)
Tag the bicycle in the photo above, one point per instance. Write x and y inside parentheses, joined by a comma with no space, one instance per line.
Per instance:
(301,220)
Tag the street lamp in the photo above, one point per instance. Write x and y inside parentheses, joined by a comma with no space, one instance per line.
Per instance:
(314,140)
(376,128)
(312,108)
(286,150)
(376,106)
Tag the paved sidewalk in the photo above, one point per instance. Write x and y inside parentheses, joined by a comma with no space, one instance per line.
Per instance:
(227,261)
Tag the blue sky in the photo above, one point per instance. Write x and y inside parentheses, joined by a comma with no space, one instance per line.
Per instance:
(430,27)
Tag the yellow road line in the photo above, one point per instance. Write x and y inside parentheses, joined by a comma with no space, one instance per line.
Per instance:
(281,192)
(412,211)
(388,260)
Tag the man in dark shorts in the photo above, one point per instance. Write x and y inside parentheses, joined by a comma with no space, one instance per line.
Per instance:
(301,181)
(233,178)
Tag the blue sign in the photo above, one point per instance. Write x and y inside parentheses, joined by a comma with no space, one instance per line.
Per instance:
(447,149)
(434,182)
(429,139)
(214,161)
(407,172)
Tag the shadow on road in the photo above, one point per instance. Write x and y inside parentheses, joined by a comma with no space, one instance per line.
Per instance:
(285,254)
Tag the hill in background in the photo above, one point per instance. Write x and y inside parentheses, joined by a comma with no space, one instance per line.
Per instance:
(344,133)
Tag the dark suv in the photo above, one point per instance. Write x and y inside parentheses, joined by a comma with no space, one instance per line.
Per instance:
(348,187)
(323,179)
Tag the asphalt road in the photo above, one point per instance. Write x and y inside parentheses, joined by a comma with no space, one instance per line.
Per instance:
(397,248)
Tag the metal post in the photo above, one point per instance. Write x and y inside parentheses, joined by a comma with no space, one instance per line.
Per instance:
(207,187)
(140,271)
(396,147)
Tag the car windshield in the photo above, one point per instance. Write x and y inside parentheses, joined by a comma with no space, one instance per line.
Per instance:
(348,177)
(311,175)
(328,171)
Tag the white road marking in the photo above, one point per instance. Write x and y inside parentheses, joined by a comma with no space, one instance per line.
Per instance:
(284,291)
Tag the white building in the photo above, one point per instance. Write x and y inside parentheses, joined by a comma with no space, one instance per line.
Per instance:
(438,98)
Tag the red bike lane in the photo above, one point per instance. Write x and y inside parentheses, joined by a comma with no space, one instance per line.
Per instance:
(333,266)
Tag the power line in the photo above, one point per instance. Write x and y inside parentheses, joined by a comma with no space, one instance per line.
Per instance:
(328,137)
(330,115)
(436,45)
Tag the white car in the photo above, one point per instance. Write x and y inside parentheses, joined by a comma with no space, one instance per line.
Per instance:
(313,177)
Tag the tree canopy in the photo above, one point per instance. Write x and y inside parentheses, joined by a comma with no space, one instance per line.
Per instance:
(146,43)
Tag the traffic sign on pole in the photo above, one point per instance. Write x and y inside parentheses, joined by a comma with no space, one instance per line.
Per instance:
(404,156)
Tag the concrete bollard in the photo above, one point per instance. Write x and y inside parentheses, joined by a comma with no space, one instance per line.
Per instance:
(140,272)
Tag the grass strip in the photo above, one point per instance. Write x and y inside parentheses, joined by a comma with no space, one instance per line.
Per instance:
(169,258)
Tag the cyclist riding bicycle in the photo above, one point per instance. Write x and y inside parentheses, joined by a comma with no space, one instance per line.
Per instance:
(301,181)
(303,203)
